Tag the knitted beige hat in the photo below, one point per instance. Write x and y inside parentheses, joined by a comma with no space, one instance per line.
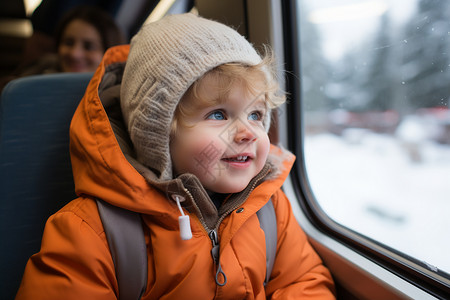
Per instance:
(165,58)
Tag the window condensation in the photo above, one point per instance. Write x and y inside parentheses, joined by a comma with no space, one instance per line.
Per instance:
(375,81)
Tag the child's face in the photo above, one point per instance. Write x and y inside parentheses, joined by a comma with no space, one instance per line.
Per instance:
(225,145)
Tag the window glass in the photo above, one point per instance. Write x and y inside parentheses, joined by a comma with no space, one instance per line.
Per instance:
(375,82)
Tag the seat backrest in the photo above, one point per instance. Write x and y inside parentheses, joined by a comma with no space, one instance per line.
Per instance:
(35,171)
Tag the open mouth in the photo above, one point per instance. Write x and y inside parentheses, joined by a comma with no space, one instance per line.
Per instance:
(239,158)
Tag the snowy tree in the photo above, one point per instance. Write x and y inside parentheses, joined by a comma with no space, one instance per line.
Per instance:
(313,64)
(425,69)
(379,80)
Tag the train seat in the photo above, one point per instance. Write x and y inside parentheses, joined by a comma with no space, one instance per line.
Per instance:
(35,170)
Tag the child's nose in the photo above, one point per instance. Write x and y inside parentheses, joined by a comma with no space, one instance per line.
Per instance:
(244,134)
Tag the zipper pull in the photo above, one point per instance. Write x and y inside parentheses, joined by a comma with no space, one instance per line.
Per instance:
(215,253)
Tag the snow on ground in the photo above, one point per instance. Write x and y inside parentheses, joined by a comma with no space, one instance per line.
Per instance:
(395,192)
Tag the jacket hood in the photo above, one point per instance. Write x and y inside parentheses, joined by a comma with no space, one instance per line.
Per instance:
(166,57)
(104,162)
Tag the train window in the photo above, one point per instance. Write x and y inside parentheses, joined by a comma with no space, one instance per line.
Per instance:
(375,90)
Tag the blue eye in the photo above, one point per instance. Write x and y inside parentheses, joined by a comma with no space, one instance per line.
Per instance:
(255,116)
(216,115)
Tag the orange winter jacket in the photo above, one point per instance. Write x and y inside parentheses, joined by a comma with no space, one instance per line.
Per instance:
(75,262)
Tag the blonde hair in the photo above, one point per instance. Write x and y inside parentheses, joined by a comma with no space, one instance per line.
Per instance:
(260,78)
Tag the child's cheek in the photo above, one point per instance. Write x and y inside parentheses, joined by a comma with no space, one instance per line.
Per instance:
(206,153)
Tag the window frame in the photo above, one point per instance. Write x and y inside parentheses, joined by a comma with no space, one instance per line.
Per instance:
(313,220)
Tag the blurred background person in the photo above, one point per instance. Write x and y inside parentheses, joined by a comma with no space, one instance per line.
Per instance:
(128,15)
(82,36)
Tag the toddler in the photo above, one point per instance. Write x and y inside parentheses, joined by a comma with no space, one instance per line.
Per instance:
(176,124)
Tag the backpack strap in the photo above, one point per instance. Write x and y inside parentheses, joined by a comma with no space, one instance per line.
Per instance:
(126,241)
(125,235)
(268,223)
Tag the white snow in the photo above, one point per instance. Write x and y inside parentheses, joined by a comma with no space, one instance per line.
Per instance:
(393,190)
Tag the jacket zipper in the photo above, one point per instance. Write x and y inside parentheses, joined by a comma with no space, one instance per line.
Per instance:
(214,236)
(216,258)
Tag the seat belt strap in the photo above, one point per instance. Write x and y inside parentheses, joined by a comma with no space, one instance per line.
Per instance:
(125,235)
(268,223)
